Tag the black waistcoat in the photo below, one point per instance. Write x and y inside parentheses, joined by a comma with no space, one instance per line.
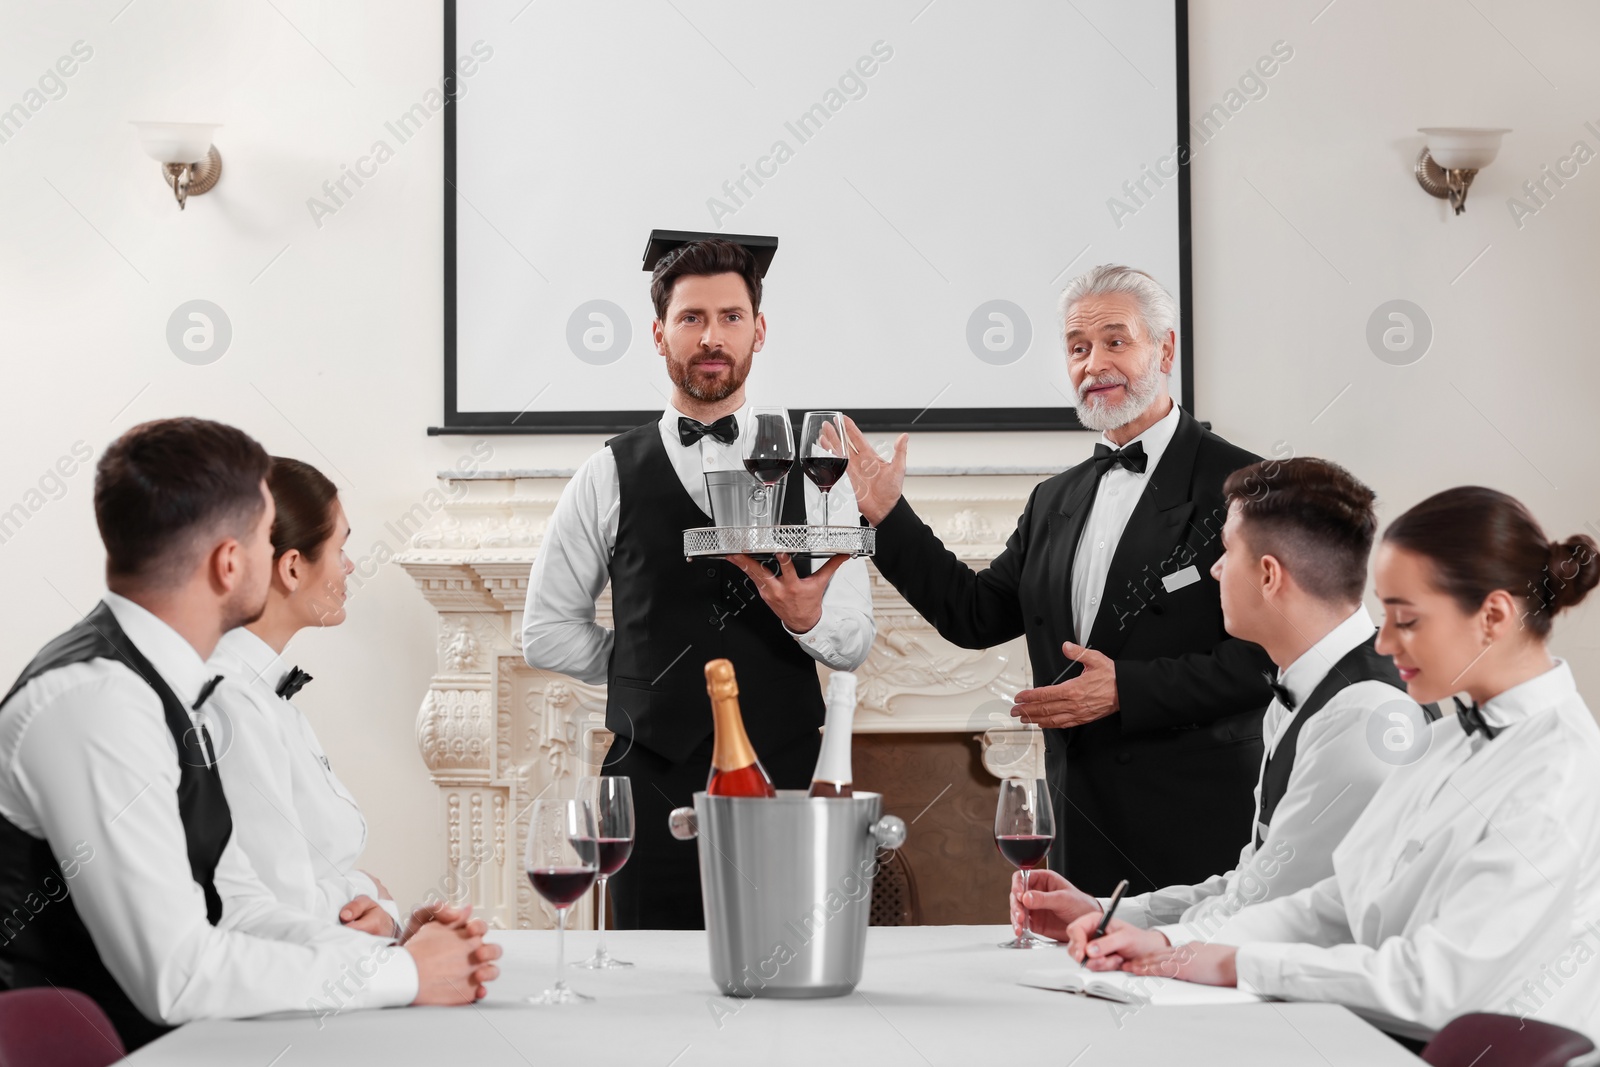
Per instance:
(52,945)
(673,615)
(1361,664)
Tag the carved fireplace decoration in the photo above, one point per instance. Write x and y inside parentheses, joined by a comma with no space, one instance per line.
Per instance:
(494,732)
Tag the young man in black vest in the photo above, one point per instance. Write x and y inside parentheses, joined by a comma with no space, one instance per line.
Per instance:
(1151,711)
(1292,575)
(621,519)
(117,872)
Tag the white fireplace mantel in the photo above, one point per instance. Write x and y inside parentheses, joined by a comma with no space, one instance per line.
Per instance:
(494,732)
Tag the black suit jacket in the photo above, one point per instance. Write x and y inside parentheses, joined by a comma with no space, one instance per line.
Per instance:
(1159,792)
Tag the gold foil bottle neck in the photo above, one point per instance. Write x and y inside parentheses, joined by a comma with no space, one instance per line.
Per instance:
(720,681)
(731,748)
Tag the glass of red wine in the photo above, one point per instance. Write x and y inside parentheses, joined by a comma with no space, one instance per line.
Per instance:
(768,444)
(610,797)
(1024,826)
(562,859)
(822,452)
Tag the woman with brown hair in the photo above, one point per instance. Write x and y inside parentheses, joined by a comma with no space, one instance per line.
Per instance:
(1472,880)
(301,828)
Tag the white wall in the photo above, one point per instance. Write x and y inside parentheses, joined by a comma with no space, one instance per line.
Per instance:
(1305,220)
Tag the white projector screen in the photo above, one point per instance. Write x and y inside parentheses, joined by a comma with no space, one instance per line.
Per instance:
(934,173)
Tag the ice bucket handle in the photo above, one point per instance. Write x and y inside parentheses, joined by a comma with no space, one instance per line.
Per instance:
(889,832)
(684,824)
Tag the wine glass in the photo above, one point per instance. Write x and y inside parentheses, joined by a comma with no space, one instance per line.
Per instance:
(1024,826)
(611,799)
(822,452)
(561,861)
(768,445)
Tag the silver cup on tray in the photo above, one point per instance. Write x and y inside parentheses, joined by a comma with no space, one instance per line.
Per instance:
(733,498)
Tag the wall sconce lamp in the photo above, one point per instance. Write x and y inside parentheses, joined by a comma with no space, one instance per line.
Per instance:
(190,163)
(1452,157)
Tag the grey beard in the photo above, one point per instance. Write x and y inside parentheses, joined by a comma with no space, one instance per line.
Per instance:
(1140,392)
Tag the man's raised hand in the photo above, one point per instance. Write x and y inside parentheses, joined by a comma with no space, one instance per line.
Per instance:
(877,482)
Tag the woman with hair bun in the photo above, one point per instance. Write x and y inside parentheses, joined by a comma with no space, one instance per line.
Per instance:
(301,828)
(1472,880)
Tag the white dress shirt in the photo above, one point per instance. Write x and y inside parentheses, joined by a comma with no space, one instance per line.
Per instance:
(1333,777)
(558,628)
(87,762)
(301,828)
(1471,882)
(1116,494)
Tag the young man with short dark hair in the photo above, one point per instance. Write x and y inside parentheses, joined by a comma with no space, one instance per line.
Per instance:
(118,873)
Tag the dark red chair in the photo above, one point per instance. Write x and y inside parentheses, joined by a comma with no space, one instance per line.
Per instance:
(1484,1040)
(52,1027)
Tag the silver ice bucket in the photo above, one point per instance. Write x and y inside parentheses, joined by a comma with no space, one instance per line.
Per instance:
(787,885)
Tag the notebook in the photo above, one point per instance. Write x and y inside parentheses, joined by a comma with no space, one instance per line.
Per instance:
(1125,988)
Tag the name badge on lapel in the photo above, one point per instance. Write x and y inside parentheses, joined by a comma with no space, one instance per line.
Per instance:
(1178,579)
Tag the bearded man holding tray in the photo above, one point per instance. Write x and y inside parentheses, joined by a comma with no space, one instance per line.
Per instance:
(621,519)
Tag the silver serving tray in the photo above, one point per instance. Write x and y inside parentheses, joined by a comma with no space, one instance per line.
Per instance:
(818,542)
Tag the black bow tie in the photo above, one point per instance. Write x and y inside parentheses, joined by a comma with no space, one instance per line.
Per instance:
(1471,720)
(292,682)
(1132,457)
(1280,691)
(725,429)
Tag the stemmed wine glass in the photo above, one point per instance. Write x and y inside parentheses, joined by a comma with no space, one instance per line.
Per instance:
(768,453)
(1024,826)
(561,861)
(611,799)
(822,452)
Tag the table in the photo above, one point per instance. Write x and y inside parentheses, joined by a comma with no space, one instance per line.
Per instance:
(930,995)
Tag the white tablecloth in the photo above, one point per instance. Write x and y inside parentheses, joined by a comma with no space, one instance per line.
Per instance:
(930,995)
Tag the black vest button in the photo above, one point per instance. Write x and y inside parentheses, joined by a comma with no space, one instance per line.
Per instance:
(1124,757)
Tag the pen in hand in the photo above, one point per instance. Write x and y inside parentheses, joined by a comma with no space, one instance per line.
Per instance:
(1111,909)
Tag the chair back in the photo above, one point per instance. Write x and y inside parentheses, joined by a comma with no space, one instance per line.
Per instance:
(894,894)
(54,1027)
(1482,1039)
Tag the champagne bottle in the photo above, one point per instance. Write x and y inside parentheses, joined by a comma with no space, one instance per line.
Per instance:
(832,776)
(735,771)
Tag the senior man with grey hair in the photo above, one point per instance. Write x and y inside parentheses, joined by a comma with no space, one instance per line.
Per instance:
(1151,712)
